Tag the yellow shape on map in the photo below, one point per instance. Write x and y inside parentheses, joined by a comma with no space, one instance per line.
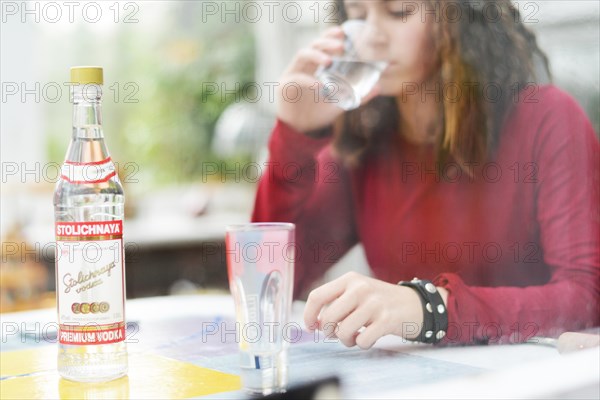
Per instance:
(31,374)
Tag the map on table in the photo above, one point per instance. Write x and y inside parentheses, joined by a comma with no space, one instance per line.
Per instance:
(198,356)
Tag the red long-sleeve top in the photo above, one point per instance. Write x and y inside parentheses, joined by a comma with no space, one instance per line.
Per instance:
(516,244)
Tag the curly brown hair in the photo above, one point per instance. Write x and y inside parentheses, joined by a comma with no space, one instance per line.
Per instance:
(480,50)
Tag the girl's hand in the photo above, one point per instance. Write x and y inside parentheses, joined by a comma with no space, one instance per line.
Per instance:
(300,104)
(344,306)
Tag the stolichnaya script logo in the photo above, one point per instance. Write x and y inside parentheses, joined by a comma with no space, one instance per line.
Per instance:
(87,280)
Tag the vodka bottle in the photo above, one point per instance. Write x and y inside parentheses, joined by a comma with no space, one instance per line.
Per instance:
(90,264)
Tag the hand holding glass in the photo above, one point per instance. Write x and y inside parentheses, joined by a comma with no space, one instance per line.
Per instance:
(260,264)
(353,75)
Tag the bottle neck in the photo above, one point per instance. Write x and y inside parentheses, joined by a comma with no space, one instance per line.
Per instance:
(87,144)
(87,112)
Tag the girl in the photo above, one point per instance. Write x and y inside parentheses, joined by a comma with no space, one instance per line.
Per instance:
(460,168)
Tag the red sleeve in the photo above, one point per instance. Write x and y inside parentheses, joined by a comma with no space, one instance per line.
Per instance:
(304,185)
(567,201)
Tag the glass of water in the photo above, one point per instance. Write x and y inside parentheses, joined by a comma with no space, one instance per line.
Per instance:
(260,266)
(353,75)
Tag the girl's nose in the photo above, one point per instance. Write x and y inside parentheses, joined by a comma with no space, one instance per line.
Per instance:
(375,33)
(376,40)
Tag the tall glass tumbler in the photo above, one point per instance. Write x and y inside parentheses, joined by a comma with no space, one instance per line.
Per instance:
(260,265)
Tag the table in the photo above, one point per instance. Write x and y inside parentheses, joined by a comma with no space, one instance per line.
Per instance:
(173,353)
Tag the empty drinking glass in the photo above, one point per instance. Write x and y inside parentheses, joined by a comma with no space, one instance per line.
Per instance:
(260,263)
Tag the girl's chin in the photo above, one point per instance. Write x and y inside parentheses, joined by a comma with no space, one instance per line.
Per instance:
(391,83)
(388,88)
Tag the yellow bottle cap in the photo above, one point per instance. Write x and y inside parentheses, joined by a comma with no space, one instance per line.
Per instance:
(86,75)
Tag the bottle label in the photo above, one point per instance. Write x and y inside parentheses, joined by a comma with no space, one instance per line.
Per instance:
(90,282)
(92,172)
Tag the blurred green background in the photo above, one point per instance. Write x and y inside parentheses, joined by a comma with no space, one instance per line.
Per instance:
(160,106)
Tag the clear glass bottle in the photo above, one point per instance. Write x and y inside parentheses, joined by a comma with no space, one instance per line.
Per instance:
(90,262)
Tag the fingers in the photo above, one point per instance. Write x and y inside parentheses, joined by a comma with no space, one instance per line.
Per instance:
(348,329)
(340,308)
(320,52)
(335,32)
(369,336)
(337,311)
(307,61)
(320,297)
(330,46)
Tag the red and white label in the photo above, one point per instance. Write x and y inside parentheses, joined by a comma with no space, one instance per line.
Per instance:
(92,172)
(91,334)
(90,282)
(86,229)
